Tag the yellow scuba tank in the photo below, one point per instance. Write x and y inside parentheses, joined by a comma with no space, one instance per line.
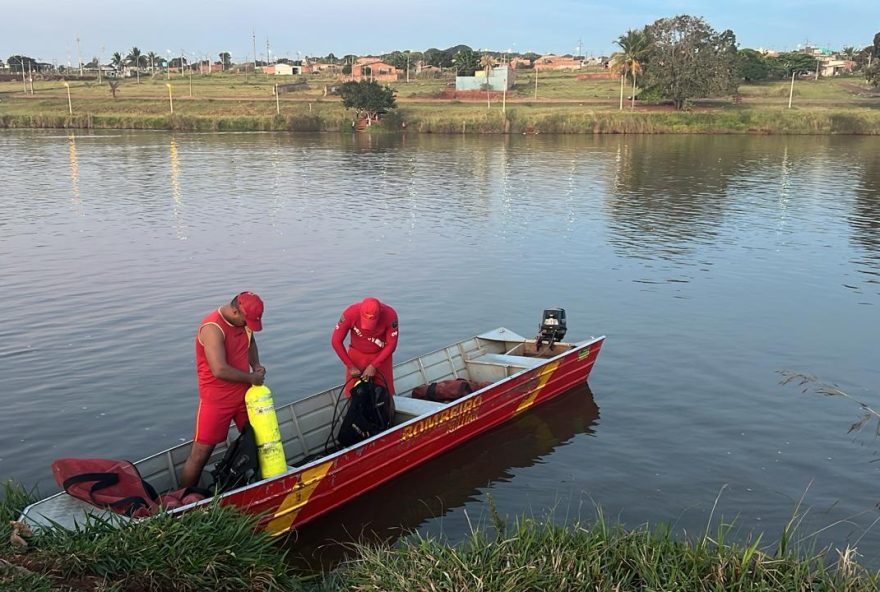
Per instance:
(261,414)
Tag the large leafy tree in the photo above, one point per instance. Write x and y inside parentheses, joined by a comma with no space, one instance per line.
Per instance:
(872,73)
(634,45)
(466,61)
(688,59)
(752,65)
(20,63)
(367,98)
(794,62)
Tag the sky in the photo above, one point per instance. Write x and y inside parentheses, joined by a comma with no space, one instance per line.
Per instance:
(62,31)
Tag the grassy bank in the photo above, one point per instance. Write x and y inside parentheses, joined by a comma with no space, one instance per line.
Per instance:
(445,118)
(564,105)
(218,549)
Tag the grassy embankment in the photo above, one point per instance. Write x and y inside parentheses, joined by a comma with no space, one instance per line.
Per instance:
(564,105)
(218,549)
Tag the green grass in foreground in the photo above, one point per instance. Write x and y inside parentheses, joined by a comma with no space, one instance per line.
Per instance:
(218,549)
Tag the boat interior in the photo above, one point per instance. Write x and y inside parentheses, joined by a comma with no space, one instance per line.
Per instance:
(306,424)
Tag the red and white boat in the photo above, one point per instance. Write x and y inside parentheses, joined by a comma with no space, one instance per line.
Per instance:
(521,373)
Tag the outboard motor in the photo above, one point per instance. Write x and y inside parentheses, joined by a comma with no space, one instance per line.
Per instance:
(552,327)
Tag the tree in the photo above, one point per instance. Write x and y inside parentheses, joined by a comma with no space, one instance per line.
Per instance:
(135,58)
(367,97)
(433,57)
(117,61)
(689,59)
(466,61)
(633,46)
(486,63)
(114,84)
(795,62)
(152,58)
(752,66)
(872,74)
(20,63)
(226,60)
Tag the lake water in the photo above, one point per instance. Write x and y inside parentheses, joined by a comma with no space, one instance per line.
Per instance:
(710,262)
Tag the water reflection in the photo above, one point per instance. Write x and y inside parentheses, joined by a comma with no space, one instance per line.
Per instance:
(663,201)
(179,224)
(445,483)
(865,217)
(74,172)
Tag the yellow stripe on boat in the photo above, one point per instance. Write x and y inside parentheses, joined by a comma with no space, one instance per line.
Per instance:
(297,499)
(543,379)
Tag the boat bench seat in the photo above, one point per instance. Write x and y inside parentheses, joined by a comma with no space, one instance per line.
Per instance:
(508,360)
(415,407)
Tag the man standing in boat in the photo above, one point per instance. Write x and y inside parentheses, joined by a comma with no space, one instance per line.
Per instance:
(227,364)
(373,328)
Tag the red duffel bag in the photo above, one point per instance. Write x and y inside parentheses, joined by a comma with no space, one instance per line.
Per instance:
(113,484)
(447,390)
(117,485)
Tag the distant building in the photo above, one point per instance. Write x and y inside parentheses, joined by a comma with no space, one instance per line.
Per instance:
(519,63)
(315,67)
(206,68)
(835,67)
(555,62)
(281,69)
(500,78)
(370,68)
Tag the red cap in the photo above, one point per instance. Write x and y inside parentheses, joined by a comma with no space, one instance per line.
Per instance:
(251,307)
(370,308)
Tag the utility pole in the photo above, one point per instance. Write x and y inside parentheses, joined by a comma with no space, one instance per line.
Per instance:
(79,58)
(254,38)
(536,83)
(23,79)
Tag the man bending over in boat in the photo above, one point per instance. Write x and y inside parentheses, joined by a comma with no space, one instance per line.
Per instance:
(373,328)
(227,364)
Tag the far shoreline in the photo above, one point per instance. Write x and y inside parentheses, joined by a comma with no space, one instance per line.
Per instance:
(564,105)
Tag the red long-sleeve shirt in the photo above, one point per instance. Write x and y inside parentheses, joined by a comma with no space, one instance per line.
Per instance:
(381,341)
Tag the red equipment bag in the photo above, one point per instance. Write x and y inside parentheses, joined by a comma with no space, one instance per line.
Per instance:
(117,485)
(447,390)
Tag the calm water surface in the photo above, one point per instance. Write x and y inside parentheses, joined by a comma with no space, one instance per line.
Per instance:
(711,263)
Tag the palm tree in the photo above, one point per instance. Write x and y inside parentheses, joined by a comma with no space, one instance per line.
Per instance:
(634,45)
(486,62)
(135,58)
(618,65)
(117,61)
(154,58)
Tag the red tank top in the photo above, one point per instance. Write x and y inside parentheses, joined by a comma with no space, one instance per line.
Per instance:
(237,341)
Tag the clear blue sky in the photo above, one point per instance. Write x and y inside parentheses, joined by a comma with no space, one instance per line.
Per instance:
(48,31)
